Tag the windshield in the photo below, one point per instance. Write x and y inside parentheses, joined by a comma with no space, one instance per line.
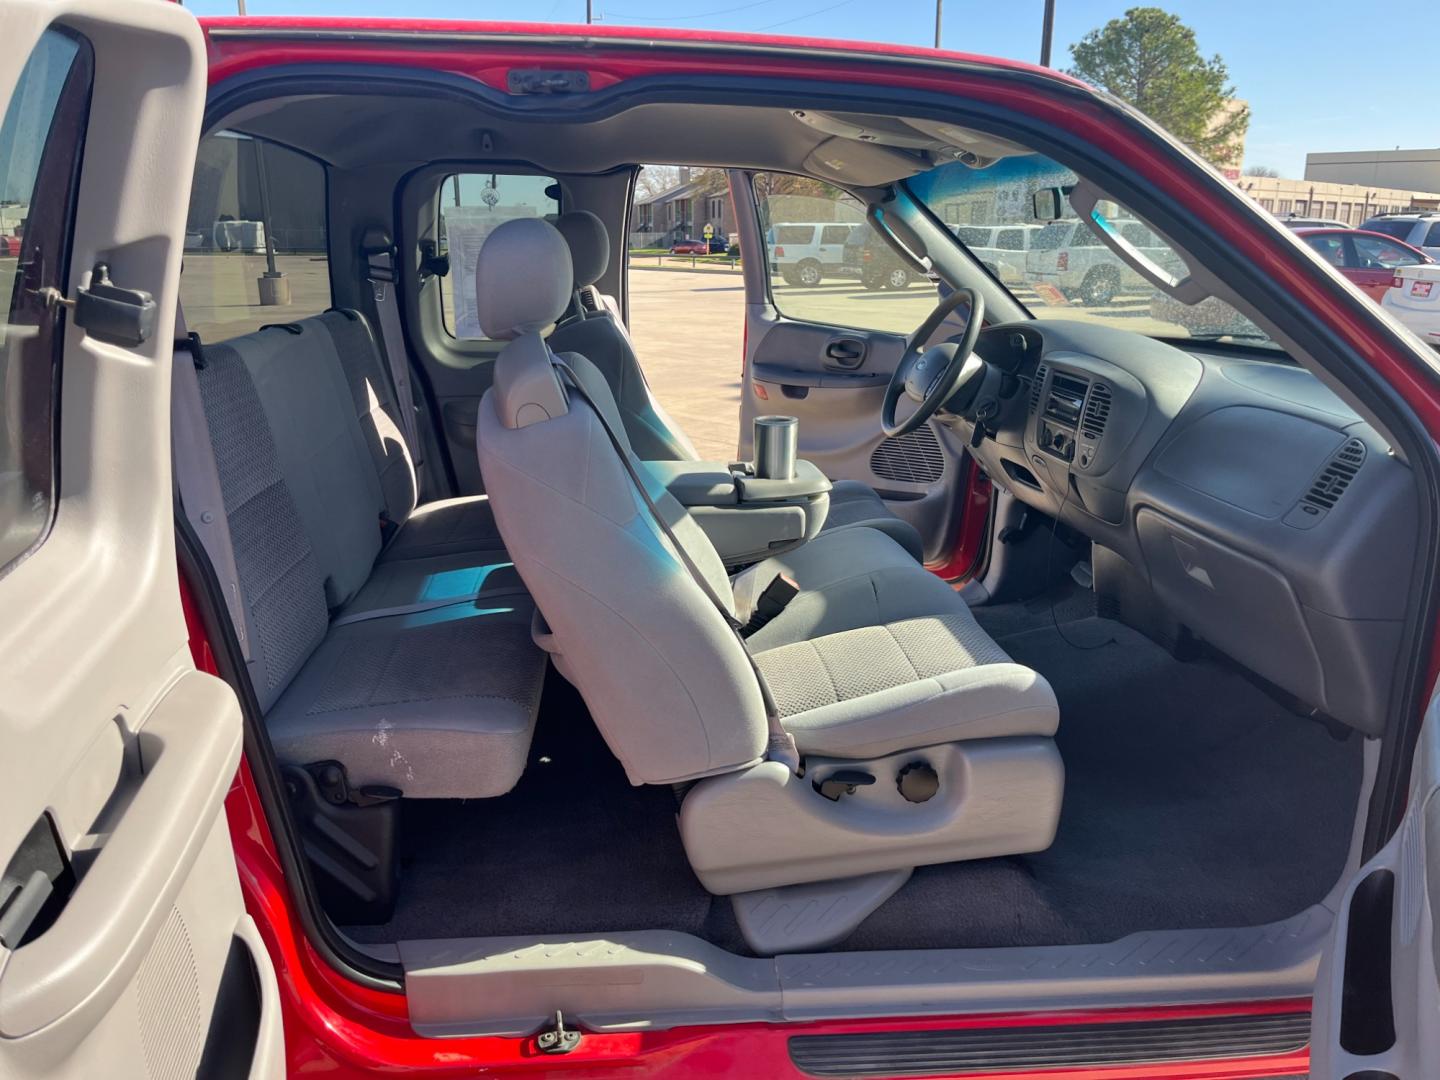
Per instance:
(1062,270)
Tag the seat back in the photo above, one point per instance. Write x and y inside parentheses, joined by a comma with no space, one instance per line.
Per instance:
(593,328)
(663,675)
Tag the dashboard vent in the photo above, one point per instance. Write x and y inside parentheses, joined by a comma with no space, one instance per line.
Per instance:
(1097,411)
(913,458)
(1325,492)
(1037,384)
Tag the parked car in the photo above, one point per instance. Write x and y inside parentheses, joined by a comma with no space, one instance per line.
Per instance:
(1369,259)
(1001,248)
(10,246)
(806,252)
(1418,228)
(1294,222)
(689,246)
(1069,255)
(868,257)
(1414,299)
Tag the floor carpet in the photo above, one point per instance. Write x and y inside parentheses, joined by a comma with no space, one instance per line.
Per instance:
(1192,800)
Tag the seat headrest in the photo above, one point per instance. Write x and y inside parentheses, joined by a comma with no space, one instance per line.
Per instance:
(522,279)
(589,245)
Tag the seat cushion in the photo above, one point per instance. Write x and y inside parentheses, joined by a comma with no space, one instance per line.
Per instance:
(916,682)
(848,579)
(854,505)
(439,580)
(439,704)
(446,527)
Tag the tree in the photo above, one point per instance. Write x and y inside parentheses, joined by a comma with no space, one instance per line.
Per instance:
(654,179)
(1261,170)
(1150,59)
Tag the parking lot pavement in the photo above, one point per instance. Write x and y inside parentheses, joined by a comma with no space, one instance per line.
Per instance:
(688,328)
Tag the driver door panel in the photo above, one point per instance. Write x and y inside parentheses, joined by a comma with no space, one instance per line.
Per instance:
(833,380)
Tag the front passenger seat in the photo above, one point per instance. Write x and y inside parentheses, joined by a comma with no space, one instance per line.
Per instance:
(922,741)
(593,328)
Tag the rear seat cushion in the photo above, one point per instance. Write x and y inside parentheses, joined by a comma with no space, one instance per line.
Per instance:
(406,582)
(440,704)
(446,527)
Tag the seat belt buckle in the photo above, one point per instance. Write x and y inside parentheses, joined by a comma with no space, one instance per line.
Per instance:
(772,601)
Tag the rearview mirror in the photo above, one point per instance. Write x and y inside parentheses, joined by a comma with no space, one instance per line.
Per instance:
(1048,204)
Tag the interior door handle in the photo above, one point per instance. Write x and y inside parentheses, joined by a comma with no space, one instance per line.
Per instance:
(845,353)
(190,748)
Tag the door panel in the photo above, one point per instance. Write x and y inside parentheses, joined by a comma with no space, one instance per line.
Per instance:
(120,901)
(793,369)
(1378,989)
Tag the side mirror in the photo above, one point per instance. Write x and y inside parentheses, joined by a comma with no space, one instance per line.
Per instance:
(1048,204)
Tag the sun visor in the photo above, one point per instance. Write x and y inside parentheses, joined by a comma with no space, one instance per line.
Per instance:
(864,164)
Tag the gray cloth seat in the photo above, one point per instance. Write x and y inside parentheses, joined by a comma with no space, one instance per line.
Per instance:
(874,657)
(415,670)
(592,327)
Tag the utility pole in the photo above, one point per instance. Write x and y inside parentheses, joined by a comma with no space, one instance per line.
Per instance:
(937,22)
(589,12)
(1047,32)
(239,7)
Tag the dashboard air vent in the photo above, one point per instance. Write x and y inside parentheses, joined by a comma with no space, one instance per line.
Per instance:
(913,458)
(1325,492)
(1037,384)
(1097,411)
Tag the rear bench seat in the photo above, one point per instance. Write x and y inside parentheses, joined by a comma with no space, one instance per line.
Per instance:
(391,637)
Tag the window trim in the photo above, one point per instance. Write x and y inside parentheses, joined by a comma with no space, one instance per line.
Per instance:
(59,172)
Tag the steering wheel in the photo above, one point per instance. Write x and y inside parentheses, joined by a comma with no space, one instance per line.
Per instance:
(947,371)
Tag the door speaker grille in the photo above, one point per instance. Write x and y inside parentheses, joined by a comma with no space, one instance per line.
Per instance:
(913,458)
(172,1031)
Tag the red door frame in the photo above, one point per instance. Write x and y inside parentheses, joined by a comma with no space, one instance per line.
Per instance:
(341,1028)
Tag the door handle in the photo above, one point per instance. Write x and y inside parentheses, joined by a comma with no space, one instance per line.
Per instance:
(191,746)
(847,353)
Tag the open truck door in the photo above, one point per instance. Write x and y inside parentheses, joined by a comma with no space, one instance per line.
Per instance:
(1377,997)
(125,949)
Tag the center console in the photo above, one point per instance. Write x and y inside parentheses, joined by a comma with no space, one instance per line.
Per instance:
(752,510)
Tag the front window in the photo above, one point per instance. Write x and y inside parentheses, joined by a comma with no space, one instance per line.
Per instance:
(1376,254)
(1067,272)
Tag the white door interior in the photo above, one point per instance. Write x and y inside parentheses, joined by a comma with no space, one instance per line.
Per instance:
(125,949)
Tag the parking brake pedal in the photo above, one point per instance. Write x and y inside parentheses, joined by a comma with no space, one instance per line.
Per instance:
(843,782)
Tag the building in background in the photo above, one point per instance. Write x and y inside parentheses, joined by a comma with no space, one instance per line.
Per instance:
(700,198)
(1346,202)
(1417,170)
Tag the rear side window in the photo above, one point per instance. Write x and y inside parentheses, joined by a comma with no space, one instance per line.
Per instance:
(1400,229)
(40,145)
(1010,240)
(471,205)
(972,237)
(256,249)
(1432,238)
(794,234)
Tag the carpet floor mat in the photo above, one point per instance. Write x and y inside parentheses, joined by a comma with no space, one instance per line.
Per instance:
(1192,799)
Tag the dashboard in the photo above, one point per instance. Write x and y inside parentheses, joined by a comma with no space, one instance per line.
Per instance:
(1262,512)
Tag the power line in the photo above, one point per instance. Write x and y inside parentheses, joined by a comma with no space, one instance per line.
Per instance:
(801,18)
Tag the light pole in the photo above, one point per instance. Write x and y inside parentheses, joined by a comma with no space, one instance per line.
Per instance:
(937,22)
(1047,32)
(589,12)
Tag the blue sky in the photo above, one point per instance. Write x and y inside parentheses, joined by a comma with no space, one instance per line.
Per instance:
(1311,85)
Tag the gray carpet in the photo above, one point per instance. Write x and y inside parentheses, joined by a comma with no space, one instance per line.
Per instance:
(1192,799)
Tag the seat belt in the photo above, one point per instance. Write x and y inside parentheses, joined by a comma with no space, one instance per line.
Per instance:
(384,281)
(781,746)
(196,475)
